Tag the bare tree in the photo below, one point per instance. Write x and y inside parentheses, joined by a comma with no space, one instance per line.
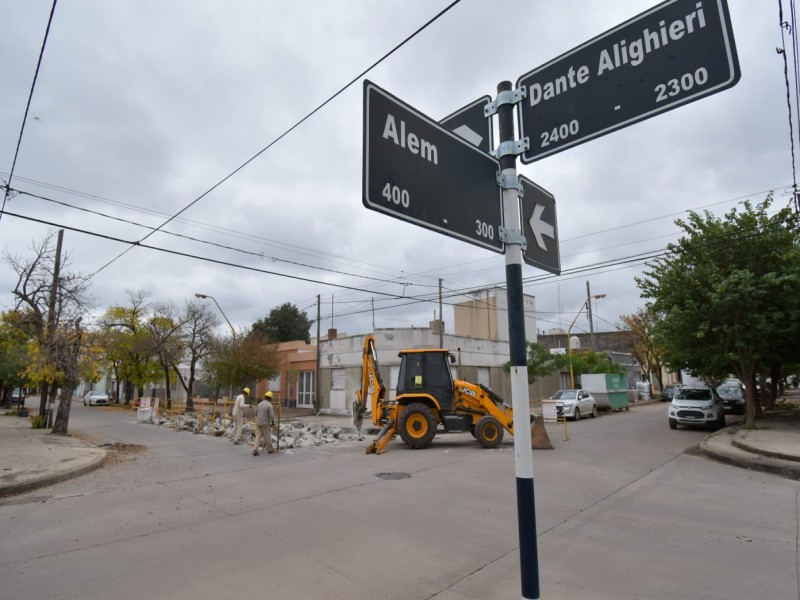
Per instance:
(199,323)
(166,327)
(53,300)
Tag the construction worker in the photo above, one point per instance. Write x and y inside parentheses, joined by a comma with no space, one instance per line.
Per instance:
(238,414)
(265,418)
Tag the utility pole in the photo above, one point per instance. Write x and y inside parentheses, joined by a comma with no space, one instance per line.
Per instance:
(316,369)
(591,324)
(441,317)
(51,322)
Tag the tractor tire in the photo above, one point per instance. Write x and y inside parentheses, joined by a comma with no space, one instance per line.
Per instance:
(489,432)
(417,426)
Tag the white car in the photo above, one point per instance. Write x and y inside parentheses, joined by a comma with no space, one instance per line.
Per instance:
(95,399)
(574,403)
(696,405)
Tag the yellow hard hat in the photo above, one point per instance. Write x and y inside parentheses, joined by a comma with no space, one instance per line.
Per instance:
(246,390)
(268,395)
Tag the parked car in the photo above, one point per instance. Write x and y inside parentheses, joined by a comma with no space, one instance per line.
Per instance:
(696,405)
(574,403)
(732,394)
(17,396)
(669,391)
(95,398)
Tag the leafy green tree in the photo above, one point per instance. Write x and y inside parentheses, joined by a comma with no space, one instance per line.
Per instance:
(234,362)
(726,296)
(541,362)
(14,354)
(285,323)
(130,345)
(585,362)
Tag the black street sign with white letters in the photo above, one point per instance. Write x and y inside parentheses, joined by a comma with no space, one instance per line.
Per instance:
(420,172)
(540,227)
(675,53)
(472,124)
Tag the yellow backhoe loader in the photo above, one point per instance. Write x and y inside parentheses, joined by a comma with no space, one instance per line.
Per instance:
(427,397)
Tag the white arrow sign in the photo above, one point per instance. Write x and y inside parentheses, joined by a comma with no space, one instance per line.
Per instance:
(541,228)
(472,136)
(536,204)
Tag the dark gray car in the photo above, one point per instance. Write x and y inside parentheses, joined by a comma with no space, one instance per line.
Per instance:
(733,400)
(669,391)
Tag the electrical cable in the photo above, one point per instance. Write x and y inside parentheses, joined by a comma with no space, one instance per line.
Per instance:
(431,297)
(193,239)
(782,50)
(197,257)
(27,110)
(287,132)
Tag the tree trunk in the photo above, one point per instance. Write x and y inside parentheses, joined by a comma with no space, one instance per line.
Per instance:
(755,395)
(43,399)
(62,415)
(775,375)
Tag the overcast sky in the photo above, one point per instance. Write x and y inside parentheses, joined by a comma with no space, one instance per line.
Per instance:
(143,106)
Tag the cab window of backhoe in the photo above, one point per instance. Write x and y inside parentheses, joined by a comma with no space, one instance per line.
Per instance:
(438,371)
(411,376)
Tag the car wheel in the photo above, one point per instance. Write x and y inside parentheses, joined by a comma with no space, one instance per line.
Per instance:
(673,424)
(594,411)
(577,414)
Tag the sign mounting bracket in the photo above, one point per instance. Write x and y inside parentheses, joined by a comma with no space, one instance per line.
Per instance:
(510,182)
(512,147)
(505,97)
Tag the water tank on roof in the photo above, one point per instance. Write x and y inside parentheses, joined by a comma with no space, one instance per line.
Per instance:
(574,342)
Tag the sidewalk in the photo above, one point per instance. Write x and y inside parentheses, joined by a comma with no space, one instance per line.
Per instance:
(31,458)
(774,447)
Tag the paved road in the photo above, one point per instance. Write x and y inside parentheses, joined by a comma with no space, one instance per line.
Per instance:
(623,512)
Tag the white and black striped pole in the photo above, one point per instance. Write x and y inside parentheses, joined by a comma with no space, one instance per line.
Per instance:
(513,237)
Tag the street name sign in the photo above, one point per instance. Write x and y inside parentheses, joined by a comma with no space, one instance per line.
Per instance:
(471,123)
(675,53)
(540,227)
(420,172)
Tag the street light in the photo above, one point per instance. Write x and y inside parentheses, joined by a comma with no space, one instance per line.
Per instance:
(586,303)
(204,296)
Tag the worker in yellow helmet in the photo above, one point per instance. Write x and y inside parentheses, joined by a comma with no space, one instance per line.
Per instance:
(265,416)
(238,414)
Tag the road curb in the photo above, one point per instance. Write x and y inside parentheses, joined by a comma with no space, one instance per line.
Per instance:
(721,447)
(34,482)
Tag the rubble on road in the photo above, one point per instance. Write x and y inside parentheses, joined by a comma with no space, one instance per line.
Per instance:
(292,434)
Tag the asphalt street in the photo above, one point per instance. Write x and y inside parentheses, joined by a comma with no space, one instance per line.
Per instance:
(625,508)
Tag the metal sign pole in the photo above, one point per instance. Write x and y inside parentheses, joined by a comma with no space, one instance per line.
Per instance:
(526,512)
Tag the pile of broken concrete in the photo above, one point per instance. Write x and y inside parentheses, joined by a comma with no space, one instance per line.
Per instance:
(292,434)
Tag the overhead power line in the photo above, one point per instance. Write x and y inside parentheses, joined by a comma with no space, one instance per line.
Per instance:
(287,132)
(222,246)
(27,109)
(202,258)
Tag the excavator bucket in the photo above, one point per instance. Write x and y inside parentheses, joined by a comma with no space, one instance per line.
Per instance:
(539,438)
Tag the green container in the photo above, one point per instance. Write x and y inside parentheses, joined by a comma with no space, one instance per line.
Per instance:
(609,389)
